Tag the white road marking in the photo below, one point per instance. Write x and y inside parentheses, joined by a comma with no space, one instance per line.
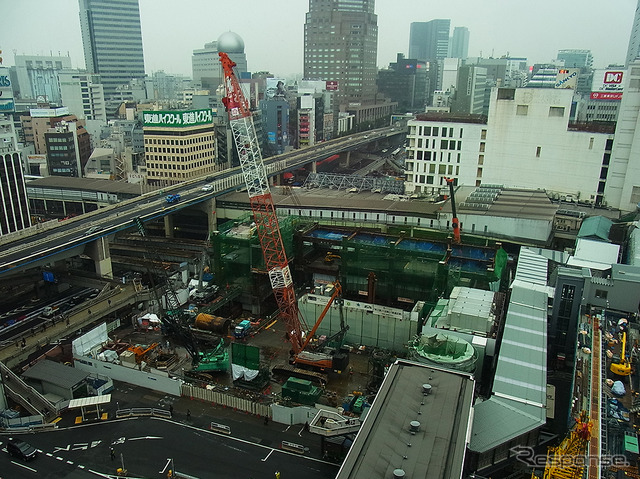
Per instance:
(22,465)
(265,459)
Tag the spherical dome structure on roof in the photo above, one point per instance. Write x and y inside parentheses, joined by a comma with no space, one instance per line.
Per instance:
(230,42)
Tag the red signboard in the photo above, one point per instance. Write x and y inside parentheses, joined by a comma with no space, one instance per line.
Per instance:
(331,85)
(606,95)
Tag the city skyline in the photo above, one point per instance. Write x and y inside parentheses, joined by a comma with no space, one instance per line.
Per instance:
(169,39)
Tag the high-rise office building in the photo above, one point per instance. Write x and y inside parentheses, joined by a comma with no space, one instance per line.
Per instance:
(14,207)
(340,45)
(460,43)
(576,58)
(633,51)
(406,82)
(429,40)
(82,94)
(112,40)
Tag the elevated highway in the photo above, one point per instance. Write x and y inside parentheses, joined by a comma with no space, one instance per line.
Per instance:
(43,243)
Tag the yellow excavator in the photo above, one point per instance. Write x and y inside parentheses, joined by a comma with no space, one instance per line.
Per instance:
(623,367)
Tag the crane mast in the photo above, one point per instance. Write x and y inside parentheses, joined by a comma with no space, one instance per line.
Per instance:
(262,206)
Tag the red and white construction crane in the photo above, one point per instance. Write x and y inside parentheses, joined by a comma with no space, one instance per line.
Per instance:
(264,212)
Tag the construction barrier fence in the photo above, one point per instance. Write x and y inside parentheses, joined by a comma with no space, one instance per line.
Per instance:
(226,400)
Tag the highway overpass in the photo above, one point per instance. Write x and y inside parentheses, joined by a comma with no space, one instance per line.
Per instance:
(43,243)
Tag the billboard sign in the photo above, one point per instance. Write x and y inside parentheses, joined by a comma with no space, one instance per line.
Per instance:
(178,119)
(332,85)
(275,88)
(607,80)
(567,78)
(6,92)
(606,95)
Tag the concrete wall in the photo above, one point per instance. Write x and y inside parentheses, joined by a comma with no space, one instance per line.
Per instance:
(292,415)
(155,379)
(369,324)
(568,161)
(537,230)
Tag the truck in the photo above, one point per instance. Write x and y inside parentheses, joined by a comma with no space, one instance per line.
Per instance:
(242,329)
(172,198)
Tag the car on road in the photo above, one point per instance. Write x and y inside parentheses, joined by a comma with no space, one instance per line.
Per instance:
(93,229)
(207,188)
(172,198)
(20,449)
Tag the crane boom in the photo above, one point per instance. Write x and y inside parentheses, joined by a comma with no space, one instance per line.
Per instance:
(264,212)
(455,224)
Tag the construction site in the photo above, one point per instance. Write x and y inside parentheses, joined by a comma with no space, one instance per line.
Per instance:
(308,322)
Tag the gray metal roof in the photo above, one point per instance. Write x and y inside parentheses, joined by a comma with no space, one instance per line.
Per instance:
(51,372)
(335,199)
(518,403)
(385,443)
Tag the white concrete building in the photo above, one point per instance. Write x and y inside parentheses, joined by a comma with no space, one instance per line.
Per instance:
(38,76)
(83,94)
(527,142)
(531,144)
(622,189)
(443,145)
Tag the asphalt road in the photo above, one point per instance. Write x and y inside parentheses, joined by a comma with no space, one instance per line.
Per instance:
(148,446)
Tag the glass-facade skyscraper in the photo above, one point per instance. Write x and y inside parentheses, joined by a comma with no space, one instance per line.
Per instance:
(460,43)
(429,40)
(341,45)
(112,40)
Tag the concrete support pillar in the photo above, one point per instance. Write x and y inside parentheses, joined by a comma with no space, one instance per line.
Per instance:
(99,252)
(347,159)
(168,226)
(209,208)
(314,167)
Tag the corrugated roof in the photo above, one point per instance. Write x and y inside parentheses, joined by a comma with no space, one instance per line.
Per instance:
(90,401)
(56,373)
(518,404)
(532,268)
(595,227)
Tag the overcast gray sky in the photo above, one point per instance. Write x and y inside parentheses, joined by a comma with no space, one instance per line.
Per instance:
(273,30)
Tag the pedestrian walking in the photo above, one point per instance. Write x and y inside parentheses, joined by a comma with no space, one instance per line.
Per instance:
(171,409)
(188,414)
(112,453)
(266,420)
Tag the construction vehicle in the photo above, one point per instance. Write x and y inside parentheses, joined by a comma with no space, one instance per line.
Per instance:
(331,257)
(623,367)
(326,355)
(142,352)
(265,217)
(242,329)
(455,224)
(175,320)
